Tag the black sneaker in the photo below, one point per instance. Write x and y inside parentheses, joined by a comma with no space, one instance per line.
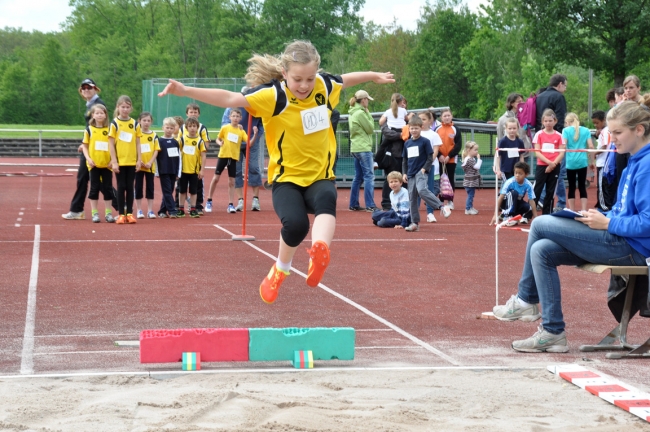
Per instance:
(194,213)
(371,209)
(355,208)
(181,213)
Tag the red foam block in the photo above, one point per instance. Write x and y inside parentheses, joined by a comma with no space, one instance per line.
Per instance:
(570,376)
(168,346)
(634,403)
(597,389)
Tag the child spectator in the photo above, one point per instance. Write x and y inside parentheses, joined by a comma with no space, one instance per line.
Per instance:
(231,137)
(168,165)
(471,165)
(505,159)
(606,193)
(451,145)
(547,141)
(576,137)
(389,154)
(433,182)
(295,101)
(395,116)
(124,143)
(148,153)
(417,159)
(511,201)
(399,216)
(192,164)
(194,110)
(180,121)
(98,161)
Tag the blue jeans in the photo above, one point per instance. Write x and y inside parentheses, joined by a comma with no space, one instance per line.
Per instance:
(560,190)
(434,187)
(469,202)
(363,170)
(254,170)
(555,241)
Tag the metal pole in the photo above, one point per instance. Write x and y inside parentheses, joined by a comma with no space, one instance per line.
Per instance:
(591,90)
(40,143)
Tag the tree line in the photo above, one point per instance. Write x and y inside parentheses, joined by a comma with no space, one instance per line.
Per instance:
(455,57)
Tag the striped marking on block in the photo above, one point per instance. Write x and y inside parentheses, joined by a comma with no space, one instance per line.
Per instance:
(607,388)
(191,361)
(303,360)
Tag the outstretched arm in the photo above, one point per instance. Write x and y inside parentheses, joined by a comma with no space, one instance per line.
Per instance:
(354,78)
(217,97)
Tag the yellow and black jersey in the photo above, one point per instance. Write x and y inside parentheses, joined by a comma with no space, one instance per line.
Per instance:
(232,138)
(191,149)
(299,136)
(125,133)
(202,132)
(97,141)
(148,144)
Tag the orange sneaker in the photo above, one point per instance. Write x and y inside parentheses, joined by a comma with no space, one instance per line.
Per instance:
(121,219)
(319,255)
(271,284)
(130,219)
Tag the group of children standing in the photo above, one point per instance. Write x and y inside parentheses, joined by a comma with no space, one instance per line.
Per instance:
(131,150)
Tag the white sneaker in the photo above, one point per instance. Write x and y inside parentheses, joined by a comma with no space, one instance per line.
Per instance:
(240,205)
(74,215)
(523,221)
(140,214)
(151,215)
(431,218)
(511,222)
(542,341)
(445,211)
(256,204)
(471,211)
(450,205)
(513,311)
(231,209)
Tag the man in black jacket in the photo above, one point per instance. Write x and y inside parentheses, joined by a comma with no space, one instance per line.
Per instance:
(89,91)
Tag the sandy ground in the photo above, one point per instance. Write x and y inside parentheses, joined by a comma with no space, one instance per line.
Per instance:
(325,400)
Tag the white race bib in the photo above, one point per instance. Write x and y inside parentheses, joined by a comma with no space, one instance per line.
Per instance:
(232,137)
(172,152)
(101,145)
(315,119)
(145,148)
(548,147)
(189,150)
(125,136)
(513,153)
(413,151)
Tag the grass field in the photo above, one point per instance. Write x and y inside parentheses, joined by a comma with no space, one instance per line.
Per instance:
(31,131)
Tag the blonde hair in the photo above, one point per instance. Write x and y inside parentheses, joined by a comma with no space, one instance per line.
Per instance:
(549,113)
(395,99)
(632,79)
(180,121)
(92,110)
(573,120)
(394,175)
(124,99)
(353,101)
(169,121)
(468,146)
(264,68)
(630,114)
(512,120)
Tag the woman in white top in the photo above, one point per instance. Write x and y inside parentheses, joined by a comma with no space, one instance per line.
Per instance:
(395,116)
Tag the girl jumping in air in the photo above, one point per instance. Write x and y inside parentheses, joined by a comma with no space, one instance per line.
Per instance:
(295,102)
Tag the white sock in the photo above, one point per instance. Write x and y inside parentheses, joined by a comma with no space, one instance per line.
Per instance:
(523,303)
(285,267)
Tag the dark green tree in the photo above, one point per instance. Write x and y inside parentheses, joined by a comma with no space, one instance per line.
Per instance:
(15,95)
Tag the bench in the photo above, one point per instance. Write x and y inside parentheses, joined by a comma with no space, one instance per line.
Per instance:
(617,338)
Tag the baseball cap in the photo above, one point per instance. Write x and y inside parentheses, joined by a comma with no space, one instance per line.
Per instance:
(89,82)
(362,94)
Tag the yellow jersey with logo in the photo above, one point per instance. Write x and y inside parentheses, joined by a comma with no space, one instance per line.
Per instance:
(125,133)
(97,141)
(148,144)
(232,138)
(191,149)
(299,135)
(203,133)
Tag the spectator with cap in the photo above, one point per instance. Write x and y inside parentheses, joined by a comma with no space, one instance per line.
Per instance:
(90,92)
(362,127)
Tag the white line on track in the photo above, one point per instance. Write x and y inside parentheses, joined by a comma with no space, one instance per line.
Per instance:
(117,351)
(27,357)
(252,371)
(361,308)
(220,240)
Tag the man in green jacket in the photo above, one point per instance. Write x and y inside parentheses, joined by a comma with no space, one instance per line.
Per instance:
(361,131)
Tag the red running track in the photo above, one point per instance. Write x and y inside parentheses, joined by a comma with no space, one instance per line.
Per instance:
(413,298)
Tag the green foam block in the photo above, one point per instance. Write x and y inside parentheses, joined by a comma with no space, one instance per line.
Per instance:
(273,344)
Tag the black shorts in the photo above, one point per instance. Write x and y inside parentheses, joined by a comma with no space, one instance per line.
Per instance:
(188,179)
(226,162)
(292,204)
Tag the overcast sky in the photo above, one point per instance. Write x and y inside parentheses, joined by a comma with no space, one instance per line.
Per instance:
(47,15)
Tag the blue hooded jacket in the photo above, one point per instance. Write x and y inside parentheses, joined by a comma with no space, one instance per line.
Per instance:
(630,216)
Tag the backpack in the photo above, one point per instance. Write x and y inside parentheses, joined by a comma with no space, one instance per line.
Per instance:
(527,115)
